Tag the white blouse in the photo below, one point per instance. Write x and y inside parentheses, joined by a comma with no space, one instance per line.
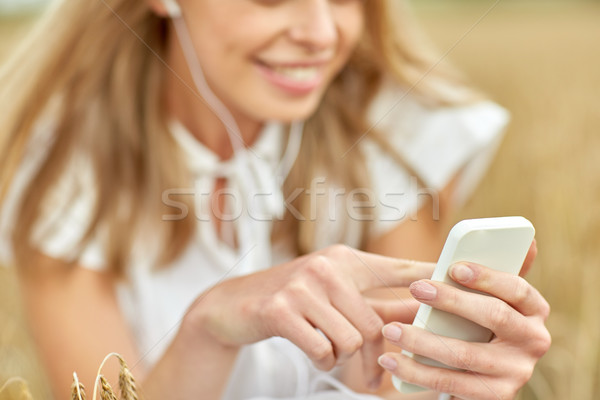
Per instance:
(437,143)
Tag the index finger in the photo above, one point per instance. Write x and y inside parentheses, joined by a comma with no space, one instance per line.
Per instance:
(512,289)
(375,271)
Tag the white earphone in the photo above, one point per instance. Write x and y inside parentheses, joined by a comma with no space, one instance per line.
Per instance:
(172,7)
(248,181)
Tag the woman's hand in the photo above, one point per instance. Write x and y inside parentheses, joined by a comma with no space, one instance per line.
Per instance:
(496,370)
(317,291)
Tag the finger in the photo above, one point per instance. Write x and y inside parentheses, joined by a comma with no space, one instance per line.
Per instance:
(355,309)
(528,263)
(310,341)
(344,337)
(489,312)
(465,385)
(474,357)
(373,270)
(398,310)
(512,289)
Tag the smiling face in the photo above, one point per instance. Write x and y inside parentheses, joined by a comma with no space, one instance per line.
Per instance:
(272,59)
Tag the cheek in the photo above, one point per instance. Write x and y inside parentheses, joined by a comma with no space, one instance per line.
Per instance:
(350,21)
(230,48)
(227,46)
(222,30)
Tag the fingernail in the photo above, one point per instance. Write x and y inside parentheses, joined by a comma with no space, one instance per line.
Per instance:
(392,332)
(387,362)
(461,272)
(423,290)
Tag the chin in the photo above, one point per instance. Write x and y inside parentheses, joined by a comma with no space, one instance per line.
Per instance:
(288,111)
(288,117)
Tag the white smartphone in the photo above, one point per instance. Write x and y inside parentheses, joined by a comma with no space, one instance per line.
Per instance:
(498,243)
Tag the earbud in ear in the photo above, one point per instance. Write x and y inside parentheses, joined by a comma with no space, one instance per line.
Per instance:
(172,8)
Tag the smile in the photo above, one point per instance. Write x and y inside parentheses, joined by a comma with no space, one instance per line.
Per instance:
(298,74)
(294,79)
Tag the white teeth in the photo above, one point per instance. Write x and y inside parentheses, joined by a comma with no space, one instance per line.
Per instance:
(299,74)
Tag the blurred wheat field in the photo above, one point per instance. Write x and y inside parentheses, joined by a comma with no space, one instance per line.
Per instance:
(17,355)
(541,60)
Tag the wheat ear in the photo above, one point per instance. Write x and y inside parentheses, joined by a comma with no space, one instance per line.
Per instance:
(99,376)
(106,392)
(127,384)
(77,389)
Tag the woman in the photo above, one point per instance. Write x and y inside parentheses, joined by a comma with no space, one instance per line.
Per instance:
(190,180)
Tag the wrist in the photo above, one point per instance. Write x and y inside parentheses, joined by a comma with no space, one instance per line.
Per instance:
(196,364)
(196,325)
(205,322)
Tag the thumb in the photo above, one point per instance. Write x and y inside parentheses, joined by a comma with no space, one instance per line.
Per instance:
(396,310)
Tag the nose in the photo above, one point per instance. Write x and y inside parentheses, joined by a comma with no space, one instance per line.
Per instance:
(314,25)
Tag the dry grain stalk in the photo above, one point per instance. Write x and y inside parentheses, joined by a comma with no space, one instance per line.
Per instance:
(126,382)
(23,392)
(127,386)
(77,389)
(106,392)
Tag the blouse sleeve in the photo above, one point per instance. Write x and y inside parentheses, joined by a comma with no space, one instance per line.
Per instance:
(436,144)
(65,215)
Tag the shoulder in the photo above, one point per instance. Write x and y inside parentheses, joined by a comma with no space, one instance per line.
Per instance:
(66,209)
(434,141)
(421,144)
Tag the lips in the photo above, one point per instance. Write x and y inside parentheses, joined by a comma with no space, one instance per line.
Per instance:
(298,74)
(294,78)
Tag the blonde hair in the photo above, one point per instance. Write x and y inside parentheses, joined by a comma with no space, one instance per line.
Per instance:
(104,64)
